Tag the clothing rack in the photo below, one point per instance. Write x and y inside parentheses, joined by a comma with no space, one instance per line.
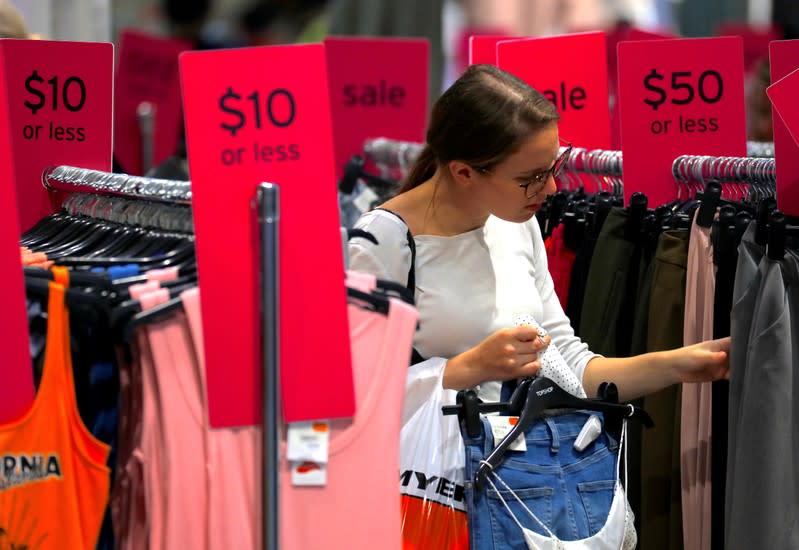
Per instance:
(118,188)
(82,180)
(392,153)
(744,176)
(149,215)
(401,154)
(598,162)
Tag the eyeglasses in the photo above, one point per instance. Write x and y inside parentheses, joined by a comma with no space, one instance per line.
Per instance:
(536,182)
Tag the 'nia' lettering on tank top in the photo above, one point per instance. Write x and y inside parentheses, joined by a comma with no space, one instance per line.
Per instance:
(21,469)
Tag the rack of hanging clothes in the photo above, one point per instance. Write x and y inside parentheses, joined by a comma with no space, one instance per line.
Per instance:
(747,261)
(114,312)
(114,286)
(660,277)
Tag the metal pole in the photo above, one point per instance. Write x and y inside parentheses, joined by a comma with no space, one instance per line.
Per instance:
(269,218)
(146,117)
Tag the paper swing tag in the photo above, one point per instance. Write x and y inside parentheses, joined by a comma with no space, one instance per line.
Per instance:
(501,426)
(308,441)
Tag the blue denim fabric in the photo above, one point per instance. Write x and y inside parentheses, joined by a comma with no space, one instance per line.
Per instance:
(569,491)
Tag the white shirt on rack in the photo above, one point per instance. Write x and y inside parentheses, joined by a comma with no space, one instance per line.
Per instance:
(467,287)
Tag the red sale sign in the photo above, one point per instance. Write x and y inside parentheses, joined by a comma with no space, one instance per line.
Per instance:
(578,88)
(784,60)
(383,95)
(254,115)
(483,49)
(59,112)
(55,108)
(782,95)
(675,102)
(147,72)
(622,33)
(756,40)
(16,391)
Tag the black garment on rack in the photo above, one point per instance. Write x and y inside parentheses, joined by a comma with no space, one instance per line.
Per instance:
(725,257)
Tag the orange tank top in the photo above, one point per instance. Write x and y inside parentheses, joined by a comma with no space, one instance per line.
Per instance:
(53,477)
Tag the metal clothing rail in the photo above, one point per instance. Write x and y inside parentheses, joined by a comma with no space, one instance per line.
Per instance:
(600,162)
(176,195)
(136,212)
(702,168)
(82,180)
(401,154)
(392,153)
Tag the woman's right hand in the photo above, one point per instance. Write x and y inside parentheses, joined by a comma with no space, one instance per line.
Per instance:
(507,354)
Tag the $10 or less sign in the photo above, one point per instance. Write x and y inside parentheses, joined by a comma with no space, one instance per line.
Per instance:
(245,127)
(673,102)
(55,108)
(276,108)
(60,101)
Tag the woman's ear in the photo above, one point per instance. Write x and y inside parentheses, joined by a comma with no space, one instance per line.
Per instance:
(461,172)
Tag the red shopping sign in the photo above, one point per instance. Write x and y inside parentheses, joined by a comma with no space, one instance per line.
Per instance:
(384,94)
(55,108)
(784,60)
(675,102)
(578,88)
(756,40)
(254,115)
(147,74)
(59,112)
(483,49)
(622,33)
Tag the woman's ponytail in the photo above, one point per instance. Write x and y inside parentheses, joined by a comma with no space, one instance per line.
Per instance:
(423,169)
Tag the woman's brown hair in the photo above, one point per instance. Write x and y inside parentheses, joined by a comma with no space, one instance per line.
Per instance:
(482,118)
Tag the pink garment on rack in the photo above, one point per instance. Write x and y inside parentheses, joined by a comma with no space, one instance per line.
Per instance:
(233,462)
(696,414)
(150,454)
(140,289)
(363,451)
(182,427)
(137,503)
(162,275)
(361,281)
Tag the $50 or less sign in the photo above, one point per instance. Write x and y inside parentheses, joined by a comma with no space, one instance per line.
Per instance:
(273,125)
(676,102)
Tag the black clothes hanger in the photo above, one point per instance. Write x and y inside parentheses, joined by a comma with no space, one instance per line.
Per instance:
(764,210)
(778,233)
(468,406)
(543,394)
(636,213)
(710,200)
(371,302)
(393,288)
(157,313)
(556,207)
(76,278)
(354,170)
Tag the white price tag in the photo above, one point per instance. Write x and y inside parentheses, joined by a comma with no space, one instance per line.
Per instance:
(501,426)
(308,474)
(308,441)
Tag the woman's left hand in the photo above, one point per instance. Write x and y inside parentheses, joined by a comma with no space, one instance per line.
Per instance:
(703,362)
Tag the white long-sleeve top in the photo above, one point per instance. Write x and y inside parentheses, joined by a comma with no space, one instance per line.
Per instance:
(467,287)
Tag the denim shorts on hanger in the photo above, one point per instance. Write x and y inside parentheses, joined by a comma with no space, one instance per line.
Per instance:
(569,491)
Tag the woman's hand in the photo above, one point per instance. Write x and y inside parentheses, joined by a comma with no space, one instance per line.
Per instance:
(702,362)
(507,354)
